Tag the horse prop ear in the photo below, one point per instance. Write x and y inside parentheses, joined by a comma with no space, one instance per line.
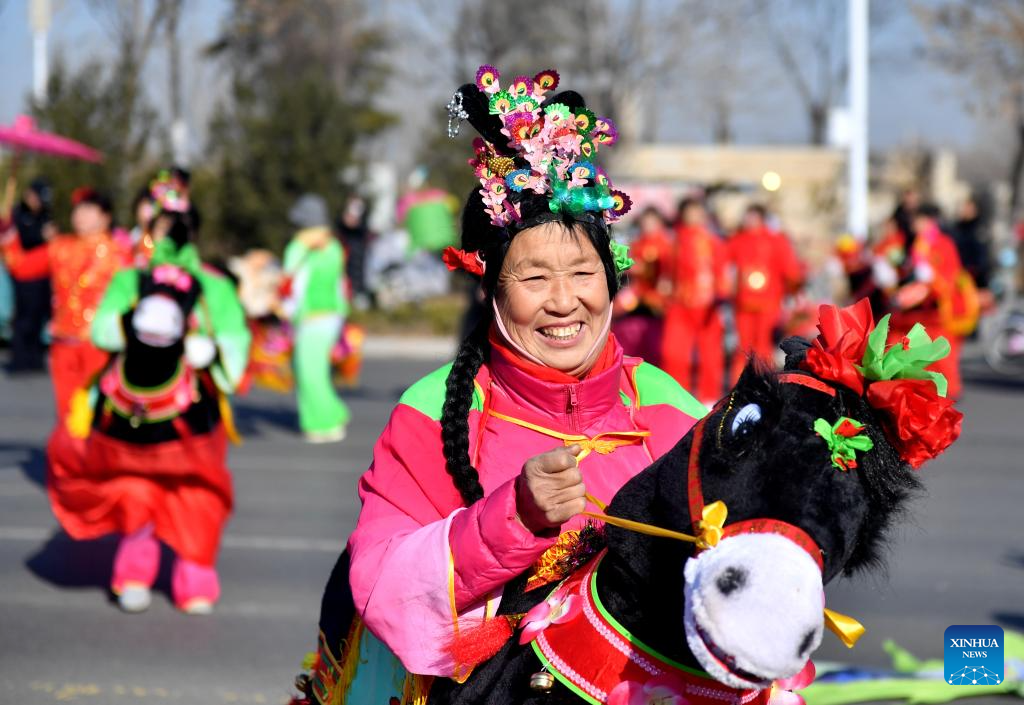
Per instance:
(796,350)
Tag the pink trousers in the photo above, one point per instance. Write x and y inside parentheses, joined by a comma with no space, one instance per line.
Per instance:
(137,561)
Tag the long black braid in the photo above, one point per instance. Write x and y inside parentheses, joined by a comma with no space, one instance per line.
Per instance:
(458,398)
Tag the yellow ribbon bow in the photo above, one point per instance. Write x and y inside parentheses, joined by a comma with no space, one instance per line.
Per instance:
(848,629)
(709,528)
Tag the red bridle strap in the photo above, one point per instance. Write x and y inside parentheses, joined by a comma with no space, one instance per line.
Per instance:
(773,526)
(807,381)
(695,492)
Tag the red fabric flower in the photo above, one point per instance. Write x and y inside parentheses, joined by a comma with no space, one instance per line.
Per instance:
(839,347)
(920,423)
(849,429)
(460,259)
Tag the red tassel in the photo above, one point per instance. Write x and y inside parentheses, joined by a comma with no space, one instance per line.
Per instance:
(477,644)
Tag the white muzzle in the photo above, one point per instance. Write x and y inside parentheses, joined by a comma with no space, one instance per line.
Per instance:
(158,321)
(753,609)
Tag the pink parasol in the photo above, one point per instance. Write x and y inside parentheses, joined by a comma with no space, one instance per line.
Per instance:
(24,137)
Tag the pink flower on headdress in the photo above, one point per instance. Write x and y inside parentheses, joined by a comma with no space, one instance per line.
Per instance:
(521,86)
(569,143)
(560,608)
(665,689)
(487,79)
(169,275)
(537,159)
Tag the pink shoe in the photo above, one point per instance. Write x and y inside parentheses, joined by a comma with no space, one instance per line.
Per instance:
(195,587)
(136,562)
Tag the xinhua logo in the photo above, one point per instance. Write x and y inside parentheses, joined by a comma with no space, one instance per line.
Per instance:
(973,655)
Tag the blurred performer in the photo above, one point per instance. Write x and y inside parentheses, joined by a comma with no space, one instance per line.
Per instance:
(640,305)
(35,228)
(146,458)
(766,270)
(971,242)
(315,267)
(80,266)
(141,238)
(906,209)
(355,234)
(692,323)
(924,278)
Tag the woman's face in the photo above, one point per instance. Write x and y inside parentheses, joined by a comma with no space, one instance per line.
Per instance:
(553,297)
(89,219)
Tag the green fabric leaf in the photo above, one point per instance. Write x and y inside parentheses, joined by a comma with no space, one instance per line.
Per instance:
(844,448)
(620,253)
(906,359)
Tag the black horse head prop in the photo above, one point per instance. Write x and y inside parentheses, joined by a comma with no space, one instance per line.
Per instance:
(151,392)
(812,463)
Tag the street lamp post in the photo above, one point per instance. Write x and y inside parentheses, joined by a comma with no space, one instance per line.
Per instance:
(857,213)
(39,15)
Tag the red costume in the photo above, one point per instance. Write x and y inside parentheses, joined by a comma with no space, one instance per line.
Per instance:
(639,305)
(767,269)
(80,268)
(652,252)
(928,285)
(698,270)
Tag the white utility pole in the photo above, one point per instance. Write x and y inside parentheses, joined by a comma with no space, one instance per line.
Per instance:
(857,205)
(40,13)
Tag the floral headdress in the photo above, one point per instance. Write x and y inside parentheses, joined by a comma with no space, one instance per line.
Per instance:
(549,149)
(918,419)
(167,194)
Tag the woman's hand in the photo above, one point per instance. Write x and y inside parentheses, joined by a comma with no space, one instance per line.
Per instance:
(550,490)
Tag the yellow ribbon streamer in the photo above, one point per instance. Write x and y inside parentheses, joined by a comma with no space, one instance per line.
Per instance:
(228,417)
(79,417)
(709,529)
(602,443)
(848,629)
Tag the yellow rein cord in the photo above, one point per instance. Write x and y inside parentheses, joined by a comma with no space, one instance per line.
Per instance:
(848,629)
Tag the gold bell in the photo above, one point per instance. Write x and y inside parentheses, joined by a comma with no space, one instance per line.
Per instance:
(542,681)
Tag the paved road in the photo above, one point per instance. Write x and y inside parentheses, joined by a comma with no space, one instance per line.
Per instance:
(960,561)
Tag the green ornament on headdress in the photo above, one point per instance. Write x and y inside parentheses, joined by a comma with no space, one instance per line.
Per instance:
(578,200)
(620,253)
(907,359)
(844,439)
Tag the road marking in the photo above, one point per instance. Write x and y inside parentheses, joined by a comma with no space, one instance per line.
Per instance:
(69,692)
(232,541)
(303,609)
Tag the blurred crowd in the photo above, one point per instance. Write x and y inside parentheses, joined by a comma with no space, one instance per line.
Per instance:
(52,284)
(702,298)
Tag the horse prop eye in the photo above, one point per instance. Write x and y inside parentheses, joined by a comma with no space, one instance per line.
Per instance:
(746,417)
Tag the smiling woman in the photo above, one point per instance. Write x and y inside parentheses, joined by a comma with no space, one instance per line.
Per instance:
(487,464)
(553,302)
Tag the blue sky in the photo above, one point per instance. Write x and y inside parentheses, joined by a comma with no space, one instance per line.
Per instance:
(910,101)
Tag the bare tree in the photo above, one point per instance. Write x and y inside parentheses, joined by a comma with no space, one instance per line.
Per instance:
(809,40)
(984,42)
(134,26)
